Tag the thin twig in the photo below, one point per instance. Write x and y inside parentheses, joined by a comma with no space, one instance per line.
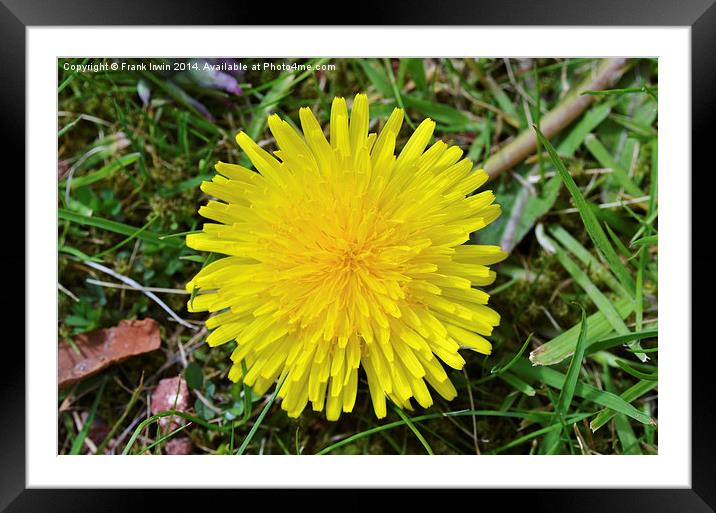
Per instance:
(549,174)
(207,402)
(182,354)
(127,287)
(613,204)
(472,407)
(137,243)
(77,164)
(125,433)
(86,117)
(520,90)
(68,292)
(488,106)
(148,293)
(552,319)
(608,72)
(80,425)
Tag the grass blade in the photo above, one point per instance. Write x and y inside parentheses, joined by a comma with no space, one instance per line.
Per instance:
(116,227)
(591,120)
(517,384)
(621,248)
(588,259)
(570,380)
(132,400)
(260,419)
(625,433)
(533,416)
(599,152)
(552,441)
(608,343)
(104,172)
(563,345)
(633,126)
(441,113)
(126,240)
(549,429)
(174,413)
(164,438)
(281,88)
(79,440)
(377,77)
(591,224)
(654,175)
(626,90)
(637,374)
(631,394)
(415,431)
(602,303)
(556,379)
(417,71)
(651,240)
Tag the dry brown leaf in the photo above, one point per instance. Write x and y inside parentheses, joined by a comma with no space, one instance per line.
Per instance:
(101,348)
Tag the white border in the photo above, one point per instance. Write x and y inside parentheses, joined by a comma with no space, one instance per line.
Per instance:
(670,468)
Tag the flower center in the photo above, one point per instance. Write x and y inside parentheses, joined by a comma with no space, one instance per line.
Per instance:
(341,266)
(353,256)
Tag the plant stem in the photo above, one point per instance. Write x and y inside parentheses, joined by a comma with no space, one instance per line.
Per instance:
(607,74)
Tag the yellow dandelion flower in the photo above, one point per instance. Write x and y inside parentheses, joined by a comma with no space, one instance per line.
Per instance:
(342,255)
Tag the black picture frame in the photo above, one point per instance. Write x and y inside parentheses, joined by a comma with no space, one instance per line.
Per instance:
(17,15)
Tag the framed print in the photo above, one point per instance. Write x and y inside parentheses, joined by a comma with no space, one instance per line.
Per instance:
(353,257)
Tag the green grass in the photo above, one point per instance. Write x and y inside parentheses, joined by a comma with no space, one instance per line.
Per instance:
(580,219)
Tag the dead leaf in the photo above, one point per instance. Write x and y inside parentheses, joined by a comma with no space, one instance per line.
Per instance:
(101,348)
